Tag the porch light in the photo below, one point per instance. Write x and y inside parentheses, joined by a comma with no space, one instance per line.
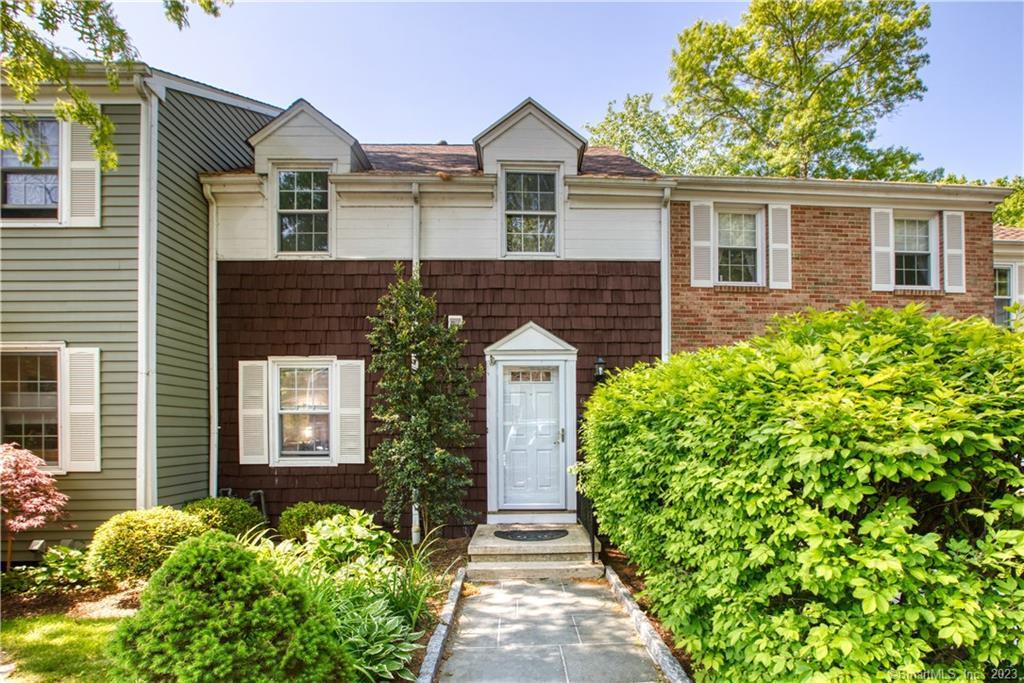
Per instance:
(599,370)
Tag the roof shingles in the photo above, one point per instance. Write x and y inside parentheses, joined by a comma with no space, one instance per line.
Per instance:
(1007,233)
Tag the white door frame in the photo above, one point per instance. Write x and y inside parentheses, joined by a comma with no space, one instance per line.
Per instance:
(530,345)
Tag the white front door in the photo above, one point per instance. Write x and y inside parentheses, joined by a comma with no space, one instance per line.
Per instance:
(532,450)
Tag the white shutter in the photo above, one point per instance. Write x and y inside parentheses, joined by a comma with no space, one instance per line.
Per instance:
(1020,284)
(350,411)
(702,244)
(84,172)
(253,421)
(780,260)
(883,260)
(954,265)
(82,409)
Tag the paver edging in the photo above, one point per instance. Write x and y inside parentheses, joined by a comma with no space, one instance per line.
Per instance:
(655,646)
(431,664)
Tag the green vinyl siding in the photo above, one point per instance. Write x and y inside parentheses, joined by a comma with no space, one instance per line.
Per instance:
(79,286)
(195,135)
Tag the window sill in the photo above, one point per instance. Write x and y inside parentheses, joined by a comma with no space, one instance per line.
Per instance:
(740,287)
(918,291)
(518,256)
(301,256)
(16,223)
(326,462)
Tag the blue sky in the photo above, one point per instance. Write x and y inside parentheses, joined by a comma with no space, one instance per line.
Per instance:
(423,72)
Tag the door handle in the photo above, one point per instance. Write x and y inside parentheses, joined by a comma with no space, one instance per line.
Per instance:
(561,436)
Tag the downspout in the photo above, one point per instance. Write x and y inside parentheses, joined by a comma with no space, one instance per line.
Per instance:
(211,337)
(145,459)
(666,274)
(415,227)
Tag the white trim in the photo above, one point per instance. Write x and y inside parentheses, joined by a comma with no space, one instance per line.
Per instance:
(63,218)
(774,280)
(933,250)
(539,517)
(506,167)
(665,272)
(161,81)
(273,411)
(317,166)
(524,108)
(415,189)
(212,384)
(1012,269)
(297,107)
(961,252)
(759,227)
(59,348)
(882,249)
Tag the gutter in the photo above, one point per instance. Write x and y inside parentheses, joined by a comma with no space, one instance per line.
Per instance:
(415,228)
(211,337)
(145,416)
(666,274)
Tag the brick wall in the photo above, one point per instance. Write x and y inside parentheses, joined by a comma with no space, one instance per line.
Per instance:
(276,308)
(831,267)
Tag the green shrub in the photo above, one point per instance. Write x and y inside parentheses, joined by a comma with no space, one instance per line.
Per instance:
(133,544)
(381,642)
(231,515)
(217,611)
(838,500)
(297,517)
(342,538)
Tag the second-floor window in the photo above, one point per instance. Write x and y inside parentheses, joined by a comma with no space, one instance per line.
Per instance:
(32,191)
(913,246)
(1004,296)
(531,216)
(302,225)
(739,246)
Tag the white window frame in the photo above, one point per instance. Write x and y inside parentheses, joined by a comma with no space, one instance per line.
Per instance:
(275,365)
(933,250)
(1011,268)
(315,166)
(63,217)
(60,349)
(759,216)
(504,170)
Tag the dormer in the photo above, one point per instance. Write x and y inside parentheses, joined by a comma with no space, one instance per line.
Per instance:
(529,134)
(303,135)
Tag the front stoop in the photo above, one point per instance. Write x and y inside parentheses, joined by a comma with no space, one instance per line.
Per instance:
(496,559)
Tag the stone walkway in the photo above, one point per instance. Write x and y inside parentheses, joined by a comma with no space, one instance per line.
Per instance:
(545,631)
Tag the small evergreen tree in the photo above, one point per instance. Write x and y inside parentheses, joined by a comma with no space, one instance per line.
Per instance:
(423,398)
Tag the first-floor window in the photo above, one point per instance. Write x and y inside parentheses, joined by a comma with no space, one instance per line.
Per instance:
(303,408)
(30,403)
(739,242)
(1004,297)
(913,247)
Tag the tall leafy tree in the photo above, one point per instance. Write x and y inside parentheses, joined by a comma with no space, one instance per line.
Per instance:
(422,404)
(32,58)
(795,89)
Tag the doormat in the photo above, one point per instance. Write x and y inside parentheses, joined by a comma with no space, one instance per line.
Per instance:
(532,534)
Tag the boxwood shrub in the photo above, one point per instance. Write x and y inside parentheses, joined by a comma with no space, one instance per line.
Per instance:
(840,499)
(296,518)
(231,515)
(217,611)
(133,544)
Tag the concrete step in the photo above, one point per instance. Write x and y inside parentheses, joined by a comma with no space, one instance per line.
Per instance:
(532,556)
(486,546)
(503,571)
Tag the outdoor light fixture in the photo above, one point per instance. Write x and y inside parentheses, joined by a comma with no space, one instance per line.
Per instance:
(599,369)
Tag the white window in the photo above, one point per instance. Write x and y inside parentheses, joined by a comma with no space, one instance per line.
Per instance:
(1003,294)
(531,212)
(915,249)
(302,393)
(740,244)
(49,403)
(32,192)
(302,212)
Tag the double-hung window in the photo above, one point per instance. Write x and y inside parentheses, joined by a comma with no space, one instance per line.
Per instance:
(30,402)
(32,191)
(302,212)
(531,215)
(1003,294)
(302,411)
(740,243)
(914,252)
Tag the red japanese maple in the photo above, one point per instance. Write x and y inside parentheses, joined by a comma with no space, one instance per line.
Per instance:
(29,497)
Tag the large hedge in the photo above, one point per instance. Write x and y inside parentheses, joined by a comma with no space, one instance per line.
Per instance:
(133,544)
(841,499)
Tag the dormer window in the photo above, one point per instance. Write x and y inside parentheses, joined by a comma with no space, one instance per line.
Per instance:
(302,225)
(531,216)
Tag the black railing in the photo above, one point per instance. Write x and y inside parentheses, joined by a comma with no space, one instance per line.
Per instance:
(585,516)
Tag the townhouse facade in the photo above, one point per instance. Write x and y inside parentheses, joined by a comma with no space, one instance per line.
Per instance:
(200,328)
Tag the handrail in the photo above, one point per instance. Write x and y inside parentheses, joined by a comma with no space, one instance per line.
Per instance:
(585,517)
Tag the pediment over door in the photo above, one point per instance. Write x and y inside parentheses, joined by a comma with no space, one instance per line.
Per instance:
(531,339)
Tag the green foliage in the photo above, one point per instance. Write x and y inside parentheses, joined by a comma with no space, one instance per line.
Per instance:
(296,518)
(422,405)
(381,642)
(1011,210)
(343,538)
(133,544)
(54,648)
(232,515)
(795,89)
(839,498)
(32,59)
(217,611)
(61,569)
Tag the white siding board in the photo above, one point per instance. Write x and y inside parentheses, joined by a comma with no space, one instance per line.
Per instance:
(302,138)
(373,232)
(613,234)
(530,139)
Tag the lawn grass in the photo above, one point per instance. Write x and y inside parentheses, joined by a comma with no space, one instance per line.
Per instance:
(54,647)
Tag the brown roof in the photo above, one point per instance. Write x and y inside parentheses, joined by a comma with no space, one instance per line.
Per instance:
(1008,233)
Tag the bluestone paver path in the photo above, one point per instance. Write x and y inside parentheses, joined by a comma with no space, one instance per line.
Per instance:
(545,631)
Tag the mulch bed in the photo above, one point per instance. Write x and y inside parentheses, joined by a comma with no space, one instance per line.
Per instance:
(631,577)
(86,603)
(451,554)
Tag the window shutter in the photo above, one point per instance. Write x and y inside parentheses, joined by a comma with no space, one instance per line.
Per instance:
(954,264)
(351,413)
(780,260)
(701,244)
(883,261)
(82,409)
(1020,283)
(253,448)
(84,172)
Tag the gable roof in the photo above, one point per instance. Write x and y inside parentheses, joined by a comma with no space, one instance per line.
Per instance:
(529,105)
(1008,233)
(301,106)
